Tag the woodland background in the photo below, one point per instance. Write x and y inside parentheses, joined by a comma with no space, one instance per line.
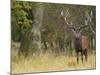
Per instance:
(38,30)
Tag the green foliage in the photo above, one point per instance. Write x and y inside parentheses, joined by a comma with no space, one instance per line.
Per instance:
(20,18)
(54,28)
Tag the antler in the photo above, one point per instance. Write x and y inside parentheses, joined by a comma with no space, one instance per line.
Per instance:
(65,16)
(88,20)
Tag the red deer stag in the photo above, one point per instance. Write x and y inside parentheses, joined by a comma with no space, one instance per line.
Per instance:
(80,41)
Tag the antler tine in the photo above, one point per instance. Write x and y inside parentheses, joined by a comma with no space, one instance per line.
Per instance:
(88,17)
(88,20)
(62,13)
(65,17)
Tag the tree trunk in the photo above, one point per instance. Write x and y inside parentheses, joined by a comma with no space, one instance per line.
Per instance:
(36,28)
(32,41)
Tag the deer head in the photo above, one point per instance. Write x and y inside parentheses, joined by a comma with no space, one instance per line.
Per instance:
(76,30)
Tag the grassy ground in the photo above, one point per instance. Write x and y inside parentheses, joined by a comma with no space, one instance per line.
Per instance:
(48,62)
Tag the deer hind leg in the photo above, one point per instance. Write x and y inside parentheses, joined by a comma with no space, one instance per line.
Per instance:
(85,53)
(82,56)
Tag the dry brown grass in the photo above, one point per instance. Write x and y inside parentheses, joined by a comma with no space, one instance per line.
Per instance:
(48,62)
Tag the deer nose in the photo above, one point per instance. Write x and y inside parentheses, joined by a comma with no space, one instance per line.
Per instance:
(78,35)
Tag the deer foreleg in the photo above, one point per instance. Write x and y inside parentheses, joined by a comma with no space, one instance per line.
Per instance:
(77,57)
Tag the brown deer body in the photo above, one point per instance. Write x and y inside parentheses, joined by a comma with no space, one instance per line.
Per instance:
(80,42)
(81,46)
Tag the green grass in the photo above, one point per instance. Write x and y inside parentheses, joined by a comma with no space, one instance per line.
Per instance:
(48,62)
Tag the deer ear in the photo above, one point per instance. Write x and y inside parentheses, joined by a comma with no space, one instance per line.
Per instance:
(73,30)
(80,31)
(84,26)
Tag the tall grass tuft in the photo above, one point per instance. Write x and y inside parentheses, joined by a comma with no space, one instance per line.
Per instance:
(48,62)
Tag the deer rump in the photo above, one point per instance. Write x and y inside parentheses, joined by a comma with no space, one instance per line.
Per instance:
(81,45)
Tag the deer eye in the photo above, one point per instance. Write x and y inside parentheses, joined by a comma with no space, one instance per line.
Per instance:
(74,29)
